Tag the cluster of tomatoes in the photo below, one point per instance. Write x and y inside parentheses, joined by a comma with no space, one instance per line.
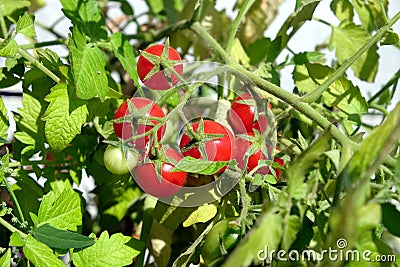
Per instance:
(141,122)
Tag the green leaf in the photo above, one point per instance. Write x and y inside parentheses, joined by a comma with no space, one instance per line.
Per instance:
(171,216)
(239,54)
(184,258)
(347,39)
(107,251)
(391,218)
(26,26)
(8,47)
(199,166)
(123,199)
(64,117)
(62,239)
(7,7)
(371,14)
(341,93)
(307,57)
(343,9)
(5,260)
(390,38)
(124,52)
(303,162)
(375,148)
(303,13)
(61,210)
(4,121)
(202,214)
(156,6)
(16,240)
(258,50)
(266,233)
(87,16)
(291,228)
(88,65)
(40,254)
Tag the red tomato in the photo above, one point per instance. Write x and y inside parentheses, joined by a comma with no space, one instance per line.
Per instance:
(124,129)
(241,115)
(158,81)
(171,182)
(242,146)
(220,149)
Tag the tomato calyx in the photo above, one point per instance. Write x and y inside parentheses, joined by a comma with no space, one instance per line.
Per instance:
(199,138)
(162,62)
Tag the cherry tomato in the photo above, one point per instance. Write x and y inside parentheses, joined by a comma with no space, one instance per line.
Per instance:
(115,161)
(222,238)
(159,80)
(218,149)
(124,129)
(242,146)
(241,116)
(171,182)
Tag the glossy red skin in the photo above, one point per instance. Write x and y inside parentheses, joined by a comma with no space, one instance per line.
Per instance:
(171,183)
(158,81)
(124,129)
(241,147)
(241,116)
(221,149)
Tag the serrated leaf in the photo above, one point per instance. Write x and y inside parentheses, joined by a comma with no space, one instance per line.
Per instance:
(88,65)
(4,121)
(26,26)
(64,117)
(124,52)
(347,39)
(266,233)
(87,15)
(107,251)
(62,239)
(199,166)
(341,93)
(171,216)
(334,156)
(40,254)
(7,7)
(123,199)
(202,214)
(5,260)
(9,47)
(61,210)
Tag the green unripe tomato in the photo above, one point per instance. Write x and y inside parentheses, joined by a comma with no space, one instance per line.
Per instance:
(115,161)
(222,239)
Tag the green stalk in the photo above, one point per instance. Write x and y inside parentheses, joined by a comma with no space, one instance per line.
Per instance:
(15,200)
(12,228)
(273,89)
(39,65)
(316,94)
(235,24)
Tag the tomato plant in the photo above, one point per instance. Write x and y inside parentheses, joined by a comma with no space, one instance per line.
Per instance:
(141,116)
(85,84)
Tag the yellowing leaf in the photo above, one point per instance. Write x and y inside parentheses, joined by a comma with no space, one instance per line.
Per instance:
(202,214)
